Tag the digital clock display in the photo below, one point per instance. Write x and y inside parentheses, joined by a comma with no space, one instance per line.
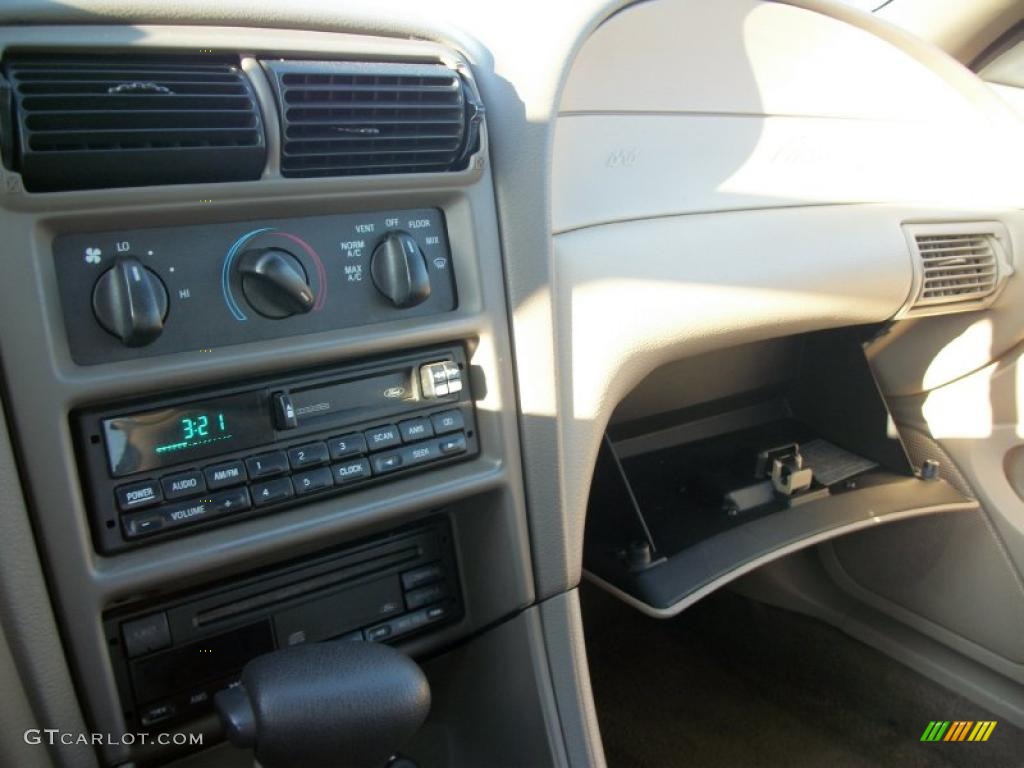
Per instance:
(167,436)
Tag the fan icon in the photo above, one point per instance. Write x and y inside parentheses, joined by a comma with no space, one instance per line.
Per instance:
(93,255)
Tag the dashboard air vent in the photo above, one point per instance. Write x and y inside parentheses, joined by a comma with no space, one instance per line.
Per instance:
(88,122)
(959,266)
(956,267)
(359,119)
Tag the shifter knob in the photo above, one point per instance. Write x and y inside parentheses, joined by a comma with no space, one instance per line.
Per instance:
(326,705)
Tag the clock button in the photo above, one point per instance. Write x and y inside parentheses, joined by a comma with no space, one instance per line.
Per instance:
(351,471)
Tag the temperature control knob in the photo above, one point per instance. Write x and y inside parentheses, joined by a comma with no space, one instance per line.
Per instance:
(274,283)
(400,271)
(130,302)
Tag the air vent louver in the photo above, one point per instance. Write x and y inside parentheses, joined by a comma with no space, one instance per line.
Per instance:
(956,267)
(114,121)
(358,119)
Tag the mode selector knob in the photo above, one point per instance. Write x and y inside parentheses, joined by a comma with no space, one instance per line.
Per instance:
(399,270)
(130,302)
(274,283)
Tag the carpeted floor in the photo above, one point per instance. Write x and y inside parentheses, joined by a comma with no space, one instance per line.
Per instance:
(732,683)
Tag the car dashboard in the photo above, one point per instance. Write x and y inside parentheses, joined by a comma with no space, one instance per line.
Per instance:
(334,353)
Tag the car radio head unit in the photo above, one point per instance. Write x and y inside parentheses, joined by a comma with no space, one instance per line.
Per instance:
(167,467)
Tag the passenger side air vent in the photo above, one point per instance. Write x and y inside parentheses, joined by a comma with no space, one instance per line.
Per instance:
(88,122)
(957,267)
(957,264)
(360,119)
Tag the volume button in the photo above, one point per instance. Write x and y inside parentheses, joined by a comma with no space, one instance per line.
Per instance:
(284,411)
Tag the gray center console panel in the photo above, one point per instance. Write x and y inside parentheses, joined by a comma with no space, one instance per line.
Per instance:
(59,365)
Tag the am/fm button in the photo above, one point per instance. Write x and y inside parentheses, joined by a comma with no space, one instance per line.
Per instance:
(225,475)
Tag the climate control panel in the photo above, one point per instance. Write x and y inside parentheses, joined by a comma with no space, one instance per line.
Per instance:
(145,292)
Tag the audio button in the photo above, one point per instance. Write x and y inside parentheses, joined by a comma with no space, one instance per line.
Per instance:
(183,484)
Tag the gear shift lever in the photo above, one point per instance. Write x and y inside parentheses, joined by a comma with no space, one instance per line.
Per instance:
(326,705)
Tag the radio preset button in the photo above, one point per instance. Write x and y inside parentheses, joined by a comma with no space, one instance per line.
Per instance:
(346,445)
(311,455)
(312,481)
(274,490)
(183,484)
(351,471)
(138,495)
(224,475)
(386,462)
(415,429)
(383,437)
(449,421)
(452,445)
(267,464)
